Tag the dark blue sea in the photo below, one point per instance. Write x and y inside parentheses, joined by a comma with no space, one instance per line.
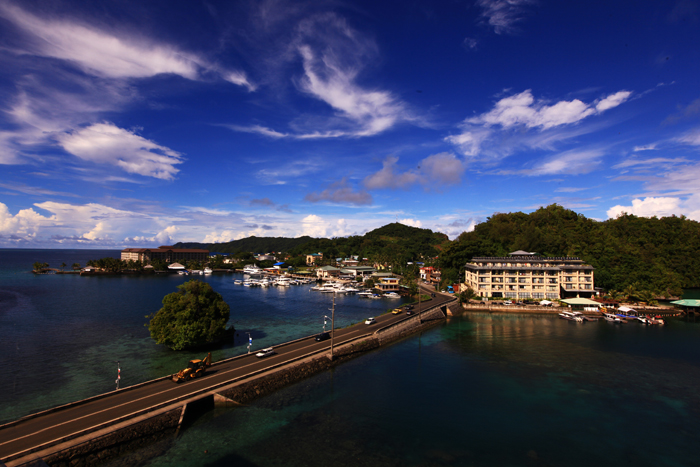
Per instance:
(479,390)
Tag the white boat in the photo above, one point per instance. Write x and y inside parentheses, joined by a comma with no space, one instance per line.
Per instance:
(572,316)
(365,293)
(208,271)
(252,269)
(238,282)
(392,295)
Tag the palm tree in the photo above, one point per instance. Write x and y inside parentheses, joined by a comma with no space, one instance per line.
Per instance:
(465,296)
(76,266)
(63,265)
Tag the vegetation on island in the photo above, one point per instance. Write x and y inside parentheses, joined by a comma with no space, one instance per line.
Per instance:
(193,316)
(249,244)
(631,255)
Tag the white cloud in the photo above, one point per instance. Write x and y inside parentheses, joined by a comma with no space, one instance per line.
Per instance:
(574,162)
(107,53)
(496,133)
(655,206)
(692,137)
(503,14)
(105,143)
(328,80)
(411,222)
(613,100)
(316,226)
(522,109)
(661,162)
(433,173)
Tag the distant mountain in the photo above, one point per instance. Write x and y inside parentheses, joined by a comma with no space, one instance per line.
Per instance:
(250,244)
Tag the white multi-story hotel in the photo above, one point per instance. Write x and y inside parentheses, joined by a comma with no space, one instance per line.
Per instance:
(523,275)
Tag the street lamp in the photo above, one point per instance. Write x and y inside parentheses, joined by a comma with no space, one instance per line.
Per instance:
(325,318)
(250,341)
(119,374)
(332,326)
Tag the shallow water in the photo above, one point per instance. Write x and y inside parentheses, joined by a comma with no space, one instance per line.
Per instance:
(62,334)
(480,390)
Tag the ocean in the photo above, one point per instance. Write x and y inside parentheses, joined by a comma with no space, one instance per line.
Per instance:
(479,390)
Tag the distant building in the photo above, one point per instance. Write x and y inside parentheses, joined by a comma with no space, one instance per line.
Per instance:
(313,258)
(522,275)
(388,284)
(327,272)
(431,275)
(167,254)
(359,271)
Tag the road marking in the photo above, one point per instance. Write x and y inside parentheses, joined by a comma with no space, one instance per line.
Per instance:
(151,396)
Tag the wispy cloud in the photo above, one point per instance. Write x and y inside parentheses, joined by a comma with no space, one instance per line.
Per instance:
(105,143)
(341,193)
(503,15)
(484,135)
(108,53)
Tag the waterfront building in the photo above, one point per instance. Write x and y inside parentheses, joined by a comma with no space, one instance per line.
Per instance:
(388,284)
(358,271)
(167,254)
(523,275)
(327,272)
(431,275)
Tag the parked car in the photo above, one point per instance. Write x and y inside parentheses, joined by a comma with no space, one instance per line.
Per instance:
(507,302)
(323,336)
(265,352)
(370,321)
(408,307)
(396,311)
(409,312)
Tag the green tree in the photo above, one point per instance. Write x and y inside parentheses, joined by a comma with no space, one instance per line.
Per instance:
(75,266)
(195,315)
(466,295)
(63,265)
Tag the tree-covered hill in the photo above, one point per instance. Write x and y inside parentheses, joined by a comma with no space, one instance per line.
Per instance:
(250,244)
(652,254)
(393,243)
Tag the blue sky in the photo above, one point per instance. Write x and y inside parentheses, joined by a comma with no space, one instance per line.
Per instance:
(132,123)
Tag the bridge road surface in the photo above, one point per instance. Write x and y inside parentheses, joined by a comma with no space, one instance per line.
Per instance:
(55,425)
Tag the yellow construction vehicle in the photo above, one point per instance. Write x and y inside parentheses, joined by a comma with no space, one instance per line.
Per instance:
(195,369)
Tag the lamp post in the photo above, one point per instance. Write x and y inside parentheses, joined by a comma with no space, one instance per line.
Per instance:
(250,341)
(332,326)
(119,374)
(325,318)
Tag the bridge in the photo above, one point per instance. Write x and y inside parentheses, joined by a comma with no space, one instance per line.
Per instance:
(43,435)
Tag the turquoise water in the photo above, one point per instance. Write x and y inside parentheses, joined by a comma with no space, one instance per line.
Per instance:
(480,390)
(62,334)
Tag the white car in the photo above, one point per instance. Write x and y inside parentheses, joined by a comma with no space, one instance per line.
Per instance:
(370,321)
(507,302)
(265,352)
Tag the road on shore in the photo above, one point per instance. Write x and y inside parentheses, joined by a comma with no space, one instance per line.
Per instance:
(52,426)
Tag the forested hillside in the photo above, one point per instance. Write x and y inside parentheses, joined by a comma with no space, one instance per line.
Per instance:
(653,254)
(394,243)
(250,244)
